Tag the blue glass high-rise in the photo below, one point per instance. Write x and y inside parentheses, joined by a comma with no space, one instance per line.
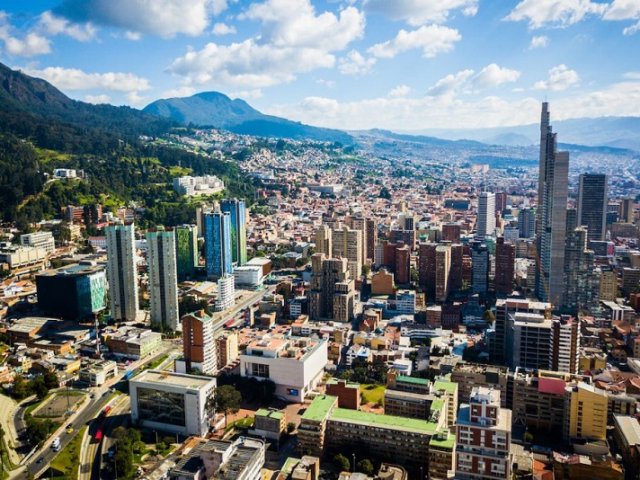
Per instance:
(238,212)
(217,244)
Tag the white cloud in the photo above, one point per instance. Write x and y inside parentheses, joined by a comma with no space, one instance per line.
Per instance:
(555,12)
(541,41)
(97,99)
(52,24)
(450,83)
(419,12)
(560,78)
(223,29)
(293,39)
(326,83)
(493,75)
(432,39)
(635,28)
(407,113)
(134,36)
(76,79)
(165,18)
(622,10)
(184,91)
(399,91)
(30,45)
(631,76)
(355,64)
(247,94)
(134,98)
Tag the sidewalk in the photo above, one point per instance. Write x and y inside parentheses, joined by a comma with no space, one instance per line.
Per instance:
(8,407)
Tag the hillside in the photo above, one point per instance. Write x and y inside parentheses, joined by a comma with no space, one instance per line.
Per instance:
(215,109)
(42,129)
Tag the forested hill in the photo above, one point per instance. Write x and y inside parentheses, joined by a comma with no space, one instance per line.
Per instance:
(42,129)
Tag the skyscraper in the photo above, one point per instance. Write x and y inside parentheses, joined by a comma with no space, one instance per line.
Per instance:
(332,292)
(527,223)
(324,240)
(626,210)
(198,344)
(217,244)
(347,243)
(486,223)
(186,251)
(505,265)
(163,279)
(481,267)
(592,204)
(581,286)
(443,269)
(121,272)
(238,214)
(552,212)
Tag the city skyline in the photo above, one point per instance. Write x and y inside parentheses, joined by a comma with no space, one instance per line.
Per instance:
(425,64)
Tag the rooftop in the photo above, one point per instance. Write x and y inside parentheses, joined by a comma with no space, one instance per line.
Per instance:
(449,387)
(391,422)
(629,427)
(443,440)
(263,412)
(413,380)
(320,408)
(163,378)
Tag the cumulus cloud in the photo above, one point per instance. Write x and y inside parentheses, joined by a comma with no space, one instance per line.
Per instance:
(418,113)
(468,81)
(625,10)
(54,25)
(493,75)
(560,78)
(450,83)
(29,45)
(293,39)
(355,64)
(76,79)
(432,39)
(541,41)
(165,18)
(555,12)
(419,12)
(399,91)
(223,29)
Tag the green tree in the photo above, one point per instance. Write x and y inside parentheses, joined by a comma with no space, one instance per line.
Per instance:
(342,463)
(39,388)
(51,380)
(37,430)
(20,387)
(365,466)
(227,400)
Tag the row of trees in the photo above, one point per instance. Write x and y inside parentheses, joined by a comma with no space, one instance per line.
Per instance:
(38,386)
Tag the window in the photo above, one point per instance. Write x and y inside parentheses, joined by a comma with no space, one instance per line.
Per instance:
(259,370)
(161,407)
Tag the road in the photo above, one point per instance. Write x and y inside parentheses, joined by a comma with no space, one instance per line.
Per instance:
(119,417)
(223,317)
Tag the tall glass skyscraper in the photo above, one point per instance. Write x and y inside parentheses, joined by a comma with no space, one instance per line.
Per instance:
(551,226)
(593,197)
(238,213)
(217,244)
(186,251)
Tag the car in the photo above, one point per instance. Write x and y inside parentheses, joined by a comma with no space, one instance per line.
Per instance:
(69,429)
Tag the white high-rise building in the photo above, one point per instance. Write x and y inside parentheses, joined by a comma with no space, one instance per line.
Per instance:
(163,279)
(347,243)
(226,293)
(121,272)
(486,223)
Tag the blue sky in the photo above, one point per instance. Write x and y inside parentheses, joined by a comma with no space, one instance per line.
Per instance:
(398,64)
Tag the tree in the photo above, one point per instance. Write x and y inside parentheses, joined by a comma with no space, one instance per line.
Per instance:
(37,430)
(342,463)
(365,466)
(39,388)
(227,400)
(20,387)
(51,380)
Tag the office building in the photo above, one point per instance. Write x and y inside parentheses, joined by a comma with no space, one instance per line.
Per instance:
(483,434)
(551,214)
(443,269)
(587,412)
(372,238)
(581,280)
(227,348)
(528,340)
(122,273)
(347,243)
(187,254)
(565,344)
(627,206)
(608,284)
(324,242)
(241,459)
(505,266)
(593,197)
(163,279)
(294,364)
(42,240)
(427,268)
(132,342)
(332,290)
(73,292)
(217,244)
(21,259)
(527,223)
(403,265)
(171,402)
(469,375)
(486,222)
(226,294)
(451,232)
(238,216)
(501,201)
(198,345)
(360,223)
(481,267)
(193,186)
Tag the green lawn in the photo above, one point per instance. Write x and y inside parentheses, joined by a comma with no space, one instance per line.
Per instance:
(372,393)
(67,461)
(241,423)
(155,363)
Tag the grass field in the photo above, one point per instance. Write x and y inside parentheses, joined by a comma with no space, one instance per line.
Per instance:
(241,423)
(66,463)
(372,393)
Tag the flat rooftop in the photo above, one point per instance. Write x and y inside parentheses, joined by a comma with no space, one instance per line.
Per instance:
(629,427)
(163,378)
(320,408)
(390,422)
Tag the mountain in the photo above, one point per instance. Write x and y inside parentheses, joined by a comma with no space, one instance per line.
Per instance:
(618,132)
(214,109)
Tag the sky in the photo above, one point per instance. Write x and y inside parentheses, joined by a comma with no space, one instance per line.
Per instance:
(405,65)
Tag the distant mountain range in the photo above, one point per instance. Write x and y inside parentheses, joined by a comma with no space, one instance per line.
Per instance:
(214,109)
(619,132)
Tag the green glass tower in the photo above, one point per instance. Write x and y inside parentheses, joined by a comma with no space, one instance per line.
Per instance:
(186,251)
(238,212)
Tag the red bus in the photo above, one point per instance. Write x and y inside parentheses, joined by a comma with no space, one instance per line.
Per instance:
(98,435)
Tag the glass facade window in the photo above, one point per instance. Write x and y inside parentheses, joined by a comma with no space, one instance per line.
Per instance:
(161,407)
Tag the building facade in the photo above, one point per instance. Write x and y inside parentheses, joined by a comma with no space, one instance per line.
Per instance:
(217,244)
(238,216)
(163,279)
(122,273)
